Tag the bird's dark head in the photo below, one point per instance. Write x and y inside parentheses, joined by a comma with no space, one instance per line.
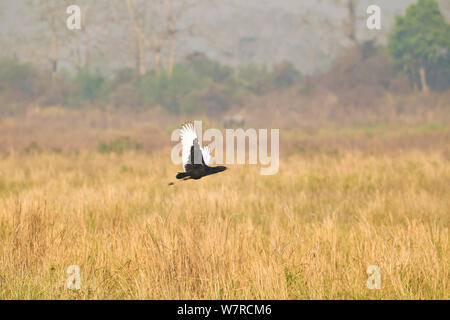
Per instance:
(219,169)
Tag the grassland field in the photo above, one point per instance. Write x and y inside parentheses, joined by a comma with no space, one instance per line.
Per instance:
(343,200)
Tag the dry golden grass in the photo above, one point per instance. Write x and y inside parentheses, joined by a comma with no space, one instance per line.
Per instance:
(309,232)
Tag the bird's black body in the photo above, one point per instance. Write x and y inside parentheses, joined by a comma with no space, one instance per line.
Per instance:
(198,171)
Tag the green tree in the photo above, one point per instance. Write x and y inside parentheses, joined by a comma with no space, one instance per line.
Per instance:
(420,41)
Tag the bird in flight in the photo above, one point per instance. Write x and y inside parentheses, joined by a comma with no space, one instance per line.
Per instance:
(196,159)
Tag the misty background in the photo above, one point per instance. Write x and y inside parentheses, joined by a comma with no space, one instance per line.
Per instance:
(309,33)
(137,69)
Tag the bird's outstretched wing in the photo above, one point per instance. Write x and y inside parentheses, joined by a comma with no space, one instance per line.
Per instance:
(191,152)
(206,153)
(188,136)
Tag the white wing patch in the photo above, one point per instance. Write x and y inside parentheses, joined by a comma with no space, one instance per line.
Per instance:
(206,152)
(189,139)
(188,136)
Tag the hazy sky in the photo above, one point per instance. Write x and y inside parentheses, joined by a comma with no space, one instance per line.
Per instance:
(266,31)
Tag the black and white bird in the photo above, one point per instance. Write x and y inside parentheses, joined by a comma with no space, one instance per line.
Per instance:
(196,159)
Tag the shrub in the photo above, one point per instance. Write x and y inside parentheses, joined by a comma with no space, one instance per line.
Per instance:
(55,90)
(18,78)
(124,90)
(168,90)
(33,147)
(359,67)
(283,76)
(119,145)
(252,78)
(88,85)
(207,69)
(212,101)
(260,81)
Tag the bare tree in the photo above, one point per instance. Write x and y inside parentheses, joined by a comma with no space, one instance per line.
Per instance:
(51,32)
(46,40)
(347,27)
(225,39)
(177,26)
(138,17)
(83,44)
(157,27)
(350,24)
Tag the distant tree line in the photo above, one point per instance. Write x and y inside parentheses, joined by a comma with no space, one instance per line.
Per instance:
(195,85)
(417,57)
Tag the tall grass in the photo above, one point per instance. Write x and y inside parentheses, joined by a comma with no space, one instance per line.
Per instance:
(309,232)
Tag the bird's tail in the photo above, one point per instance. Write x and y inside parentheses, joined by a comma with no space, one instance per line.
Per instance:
(180,175)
